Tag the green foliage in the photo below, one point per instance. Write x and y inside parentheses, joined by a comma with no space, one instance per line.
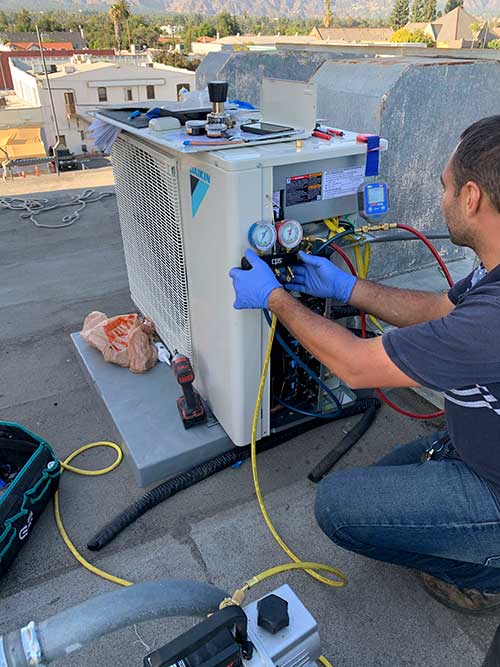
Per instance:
(23,21)
(417,11)
(400,14)
(227,24)
(429,10)
(417,37)
(175,59)
(452,4)
(328,17)
(4,22)
(493,44)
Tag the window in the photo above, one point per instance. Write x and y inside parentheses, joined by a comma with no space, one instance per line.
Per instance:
(69,101)
(82,135)
(62,140)
(150,92)
(180,86)
(102,94)
(128,95)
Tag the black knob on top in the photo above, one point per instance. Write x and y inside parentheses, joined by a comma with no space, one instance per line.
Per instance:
(273,614)
(217,91)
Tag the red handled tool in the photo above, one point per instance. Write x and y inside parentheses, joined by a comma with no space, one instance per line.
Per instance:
(321,135)
(190,406)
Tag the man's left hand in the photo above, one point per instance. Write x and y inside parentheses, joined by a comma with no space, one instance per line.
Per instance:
(253,287)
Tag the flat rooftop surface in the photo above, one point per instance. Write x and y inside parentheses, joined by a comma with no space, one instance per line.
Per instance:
(49,281)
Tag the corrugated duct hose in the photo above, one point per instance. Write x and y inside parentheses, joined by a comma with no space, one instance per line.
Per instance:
(197,474)
(41,643)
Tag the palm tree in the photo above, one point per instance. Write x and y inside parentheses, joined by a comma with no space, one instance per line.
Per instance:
(118,13)
(115,15)
(328,17)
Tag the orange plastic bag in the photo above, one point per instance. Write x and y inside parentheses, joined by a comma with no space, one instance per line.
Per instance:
(126,340)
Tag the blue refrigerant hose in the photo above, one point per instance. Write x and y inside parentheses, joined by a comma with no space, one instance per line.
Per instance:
(308,370)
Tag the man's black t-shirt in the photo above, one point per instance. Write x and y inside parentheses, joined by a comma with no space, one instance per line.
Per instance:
(460,355)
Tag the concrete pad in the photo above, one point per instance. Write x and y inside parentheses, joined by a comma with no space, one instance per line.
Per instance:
(144,409)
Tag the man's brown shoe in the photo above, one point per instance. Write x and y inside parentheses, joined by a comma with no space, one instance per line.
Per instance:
(466,600)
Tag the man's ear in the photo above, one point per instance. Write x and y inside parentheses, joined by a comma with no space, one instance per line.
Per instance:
(473,197)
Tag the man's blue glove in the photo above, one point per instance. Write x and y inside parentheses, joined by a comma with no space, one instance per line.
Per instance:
(318,276)
(253,287)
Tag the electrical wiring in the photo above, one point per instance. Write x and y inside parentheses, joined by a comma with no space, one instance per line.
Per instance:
(35,207)
(304,366)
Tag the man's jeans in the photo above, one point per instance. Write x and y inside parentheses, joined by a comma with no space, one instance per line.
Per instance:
(438,516)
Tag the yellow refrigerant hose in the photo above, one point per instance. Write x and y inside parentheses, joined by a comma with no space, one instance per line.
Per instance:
(238,597)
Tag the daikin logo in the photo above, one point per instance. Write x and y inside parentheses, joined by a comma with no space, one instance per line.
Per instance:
(200,182)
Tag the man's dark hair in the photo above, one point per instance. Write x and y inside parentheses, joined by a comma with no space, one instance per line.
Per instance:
(477,158)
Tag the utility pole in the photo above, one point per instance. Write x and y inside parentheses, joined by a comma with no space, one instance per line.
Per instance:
(56,126)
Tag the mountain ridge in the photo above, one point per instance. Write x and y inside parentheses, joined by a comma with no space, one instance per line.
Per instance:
(274,8)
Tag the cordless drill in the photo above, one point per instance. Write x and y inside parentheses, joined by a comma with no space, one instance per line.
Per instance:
(190,405)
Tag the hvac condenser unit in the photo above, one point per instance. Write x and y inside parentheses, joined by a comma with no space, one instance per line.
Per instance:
(185,220)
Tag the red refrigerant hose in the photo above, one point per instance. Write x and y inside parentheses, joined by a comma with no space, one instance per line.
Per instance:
(380,394)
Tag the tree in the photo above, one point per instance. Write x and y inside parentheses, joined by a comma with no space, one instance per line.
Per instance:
(4,22)
(328,17)
(452,4)
(417,11)
(175,59)
(494,44)
(430,10)
(400,13)
(119,13)
(417,37)
(227,24)
(23,21)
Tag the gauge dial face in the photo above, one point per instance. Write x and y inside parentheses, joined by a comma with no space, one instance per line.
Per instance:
(290,234)
(262,236)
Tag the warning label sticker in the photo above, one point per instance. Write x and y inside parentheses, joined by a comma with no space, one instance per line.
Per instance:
(342,182)
(303,189)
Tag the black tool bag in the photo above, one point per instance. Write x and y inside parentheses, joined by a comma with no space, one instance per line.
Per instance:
(29,477)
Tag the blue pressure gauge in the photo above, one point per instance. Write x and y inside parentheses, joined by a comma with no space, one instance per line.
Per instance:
(262,236)
(373,200)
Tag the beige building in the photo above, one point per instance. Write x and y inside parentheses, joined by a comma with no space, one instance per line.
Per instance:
(80,87)
(457,30)
(353,35)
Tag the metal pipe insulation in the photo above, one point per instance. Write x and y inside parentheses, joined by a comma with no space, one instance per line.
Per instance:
(38,644)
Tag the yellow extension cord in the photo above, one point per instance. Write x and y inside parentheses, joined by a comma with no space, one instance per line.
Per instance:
(238,597)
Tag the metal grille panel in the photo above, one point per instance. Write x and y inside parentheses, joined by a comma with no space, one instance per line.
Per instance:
(150,219)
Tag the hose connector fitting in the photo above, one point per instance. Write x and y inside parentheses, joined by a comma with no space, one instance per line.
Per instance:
(381,227)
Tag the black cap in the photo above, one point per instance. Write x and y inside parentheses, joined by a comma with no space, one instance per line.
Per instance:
(273,614)
(217,91)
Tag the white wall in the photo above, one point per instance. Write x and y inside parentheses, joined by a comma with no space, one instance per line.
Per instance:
(25,85)
(84,86)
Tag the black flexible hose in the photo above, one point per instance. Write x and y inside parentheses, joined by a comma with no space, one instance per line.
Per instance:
(202,471)
(348,441)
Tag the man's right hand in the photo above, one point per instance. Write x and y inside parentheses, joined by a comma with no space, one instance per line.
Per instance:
(318,276)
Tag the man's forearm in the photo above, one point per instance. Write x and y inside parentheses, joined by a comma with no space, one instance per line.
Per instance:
(399,307)
(332,344)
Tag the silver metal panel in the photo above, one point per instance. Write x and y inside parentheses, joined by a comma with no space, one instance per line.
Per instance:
(297,645)
(148,203)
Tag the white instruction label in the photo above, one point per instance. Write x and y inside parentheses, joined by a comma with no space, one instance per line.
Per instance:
(342,182)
